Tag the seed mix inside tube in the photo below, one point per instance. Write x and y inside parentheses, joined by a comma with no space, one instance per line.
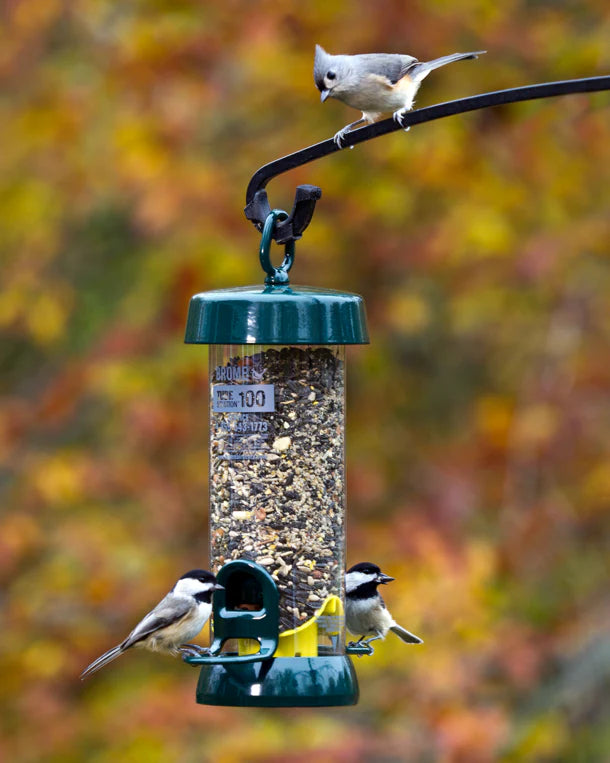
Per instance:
(276,460)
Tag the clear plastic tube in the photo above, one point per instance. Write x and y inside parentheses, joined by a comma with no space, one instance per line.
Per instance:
(277,488)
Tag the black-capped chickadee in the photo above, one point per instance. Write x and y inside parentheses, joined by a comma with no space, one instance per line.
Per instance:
(375,83)
(177,618)
(365,610)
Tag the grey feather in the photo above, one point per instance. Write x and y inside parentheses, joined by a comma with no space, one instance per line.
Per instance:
(168,611)
(107,657)
(393,66)
(420,69)
(405,635)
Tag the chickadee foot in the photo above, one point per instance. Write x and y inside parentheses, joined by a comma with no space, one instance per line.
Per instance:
(368,646)
(197,648)
(193,650)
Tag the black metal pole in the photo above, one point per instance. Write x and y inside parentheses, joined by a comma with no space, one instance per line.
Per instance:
(527,93)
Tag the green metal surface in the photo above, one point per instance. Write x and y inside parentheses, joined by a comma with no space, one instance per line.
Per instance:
(276,315)
(261,680)
(359,650)
(280,682)
(279,275)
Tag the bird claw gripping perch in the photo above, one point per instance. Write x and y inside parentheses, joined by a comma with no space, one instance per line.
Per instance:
(340,135)
(192,650)
(399,115)
(359,649)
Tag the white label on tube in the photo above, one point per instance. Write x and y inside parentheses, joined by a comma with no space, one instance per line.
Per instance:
(243,398)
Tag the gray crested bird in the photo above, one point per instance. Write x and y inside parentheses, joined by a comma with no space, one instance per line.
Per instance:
(365,610)
(375,83)
(177,618)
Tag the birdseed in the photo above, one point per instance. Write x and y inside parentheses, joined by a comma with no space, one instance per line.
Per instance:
(277,477)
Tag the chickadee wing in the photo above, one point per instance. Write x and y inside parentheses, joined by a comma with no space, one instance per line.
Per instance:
(391,66)
(169,611)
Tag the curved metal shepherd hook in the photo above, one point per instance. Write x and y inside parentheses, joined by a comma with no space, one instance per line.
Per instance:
(291,228)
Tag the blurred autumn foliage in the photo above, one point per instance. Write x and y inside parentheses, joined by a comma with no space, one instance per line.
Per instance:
(478,418)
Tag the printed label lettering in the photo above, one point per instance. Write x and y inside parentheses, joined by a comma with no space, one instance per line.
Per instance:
(243,398)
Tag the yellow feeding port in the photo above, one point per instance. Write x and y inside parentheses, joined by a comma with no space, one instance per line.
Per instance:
(303,641)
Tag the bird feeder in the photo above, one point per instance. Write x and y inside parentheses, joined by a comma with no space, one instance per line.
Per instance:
(277,494)
(277,488)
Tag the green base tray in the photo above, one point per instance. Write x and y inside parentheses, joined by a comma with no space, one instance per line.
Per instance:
(280,682)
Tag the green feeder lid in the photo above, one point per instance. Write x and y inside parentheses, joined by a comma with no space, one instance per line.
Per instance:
(276,314)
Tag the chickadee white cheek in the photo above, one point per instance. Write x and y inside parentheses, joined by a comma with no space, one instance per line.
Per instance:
(191,587)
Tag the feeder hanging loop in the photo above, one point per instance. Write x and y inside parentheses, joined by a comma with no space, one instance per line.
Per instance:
(275,276)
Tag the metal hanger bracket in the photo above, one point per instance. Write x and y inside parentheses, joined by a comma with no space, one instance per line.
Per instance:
(291,229)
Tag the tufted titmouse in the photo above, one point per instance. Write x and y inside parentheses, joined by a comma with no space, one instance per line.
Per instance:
(375,83)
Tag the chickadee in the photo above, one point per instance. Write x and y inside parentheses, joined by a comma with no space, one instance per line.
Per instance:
(177,618)
(375,83)
(365,610)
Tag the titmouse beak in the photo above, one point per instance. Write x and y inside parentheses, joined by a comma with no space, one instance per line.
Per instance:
(381,578)
(218,587)
(324,95)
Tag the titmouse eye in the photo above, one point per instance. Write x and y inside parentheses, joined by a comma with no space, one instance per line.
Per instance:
(331,75)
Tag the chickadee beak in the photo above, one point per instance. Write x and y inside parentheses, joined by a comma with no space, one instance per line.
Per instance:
(218,587)
(382,578)
(324,95)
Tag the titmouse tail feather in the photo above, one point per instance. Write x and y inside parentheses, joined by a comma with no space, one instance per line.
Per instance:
(422,68)
(405,635)
(107,657)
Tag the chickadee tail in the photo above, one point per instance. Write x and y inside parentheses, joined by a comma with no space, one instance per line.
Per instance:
(422,68)
(405,635)
(107,657)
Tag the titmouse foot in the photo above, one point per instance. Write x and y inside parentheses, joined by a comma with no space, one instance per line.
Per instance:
(340,135)
(399,115)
